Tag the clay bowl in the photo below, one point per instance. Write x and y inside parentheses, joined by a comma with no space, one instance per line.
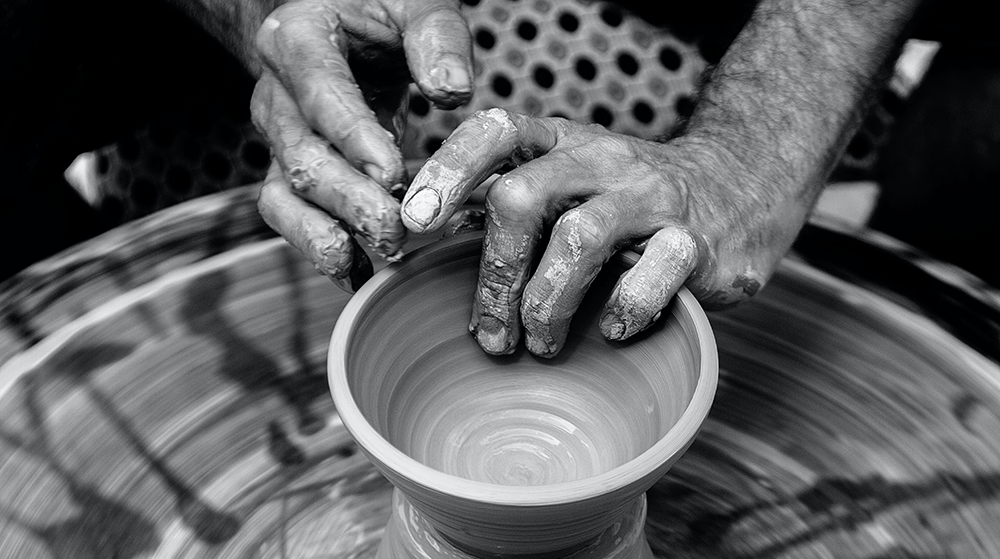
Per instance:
(515,454)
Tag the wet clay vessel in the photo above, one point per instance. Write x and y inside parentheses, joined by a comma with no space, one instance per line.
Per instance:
(515,455)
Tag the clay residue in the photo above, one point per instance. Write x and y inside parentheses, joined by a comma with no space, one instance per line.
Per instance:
(748,285)
(740,289)
(538,317)
(331,252)
(495,318)
(431,195)
(498,117)
(305,163)
(644,290)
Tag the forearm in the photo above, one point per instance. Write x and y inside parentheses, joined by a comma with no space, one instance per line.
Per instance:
(792,90)
(234,23)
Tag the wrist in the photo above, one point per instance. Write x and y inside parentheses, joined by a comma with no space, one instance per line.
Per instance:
(745,205)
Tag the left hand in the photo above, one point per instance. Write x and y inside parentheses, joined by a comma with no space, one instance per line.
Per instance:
(709,222)
(332,101)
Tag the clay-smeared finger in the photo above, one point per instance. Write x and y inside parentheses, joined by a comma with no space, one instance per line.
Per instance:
(643,291)
(486,142)
(319,237)
(518,207)
(513,223)
(320,175)
(582,240)
(438,48)
(304,45)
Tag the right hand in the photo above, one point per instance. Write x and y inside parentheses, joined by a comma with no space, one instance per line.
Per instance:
(332,101)
(572,195)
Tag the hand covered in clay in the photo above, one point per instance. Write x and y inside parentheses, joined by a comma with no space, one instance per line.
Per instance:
(571,196)
(332,101)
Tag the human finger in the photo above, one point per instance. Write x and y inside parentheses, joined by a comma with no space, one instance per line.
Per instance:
(438,47)
(322,239)
(305,46)
(486,142)
(320,175)
(582,241)
(643,291)
(519,205)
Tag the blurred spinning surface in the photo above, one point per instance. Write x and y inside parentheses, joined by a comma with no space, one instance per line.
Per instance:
(163,394)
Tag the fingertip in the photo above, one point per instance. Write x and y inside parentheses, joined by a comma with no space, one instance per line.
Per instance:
(543,336)
(439,45)
(448,83)
(420,210)
(612,327)
(492,335)
(541,347)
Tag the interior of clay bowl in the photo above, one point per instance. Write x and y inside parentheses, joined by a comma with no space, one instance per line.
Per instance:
(414,387)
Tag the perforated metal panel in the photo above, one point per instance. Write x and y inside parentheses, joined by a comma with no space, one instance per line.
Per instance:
(176,159)
(582,60)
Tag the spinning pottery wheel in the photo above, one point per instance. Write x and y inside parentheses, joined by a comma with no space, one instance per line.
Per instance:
(163,394)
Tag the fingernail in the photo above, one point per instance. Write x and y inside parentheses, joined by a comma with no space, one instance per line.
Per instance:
(612,327)
(493,336)
(422,208)
(375,172)
(451,74)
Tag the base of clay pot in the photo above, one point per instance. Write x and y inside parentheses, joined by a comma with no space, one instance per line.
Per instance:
(409,535)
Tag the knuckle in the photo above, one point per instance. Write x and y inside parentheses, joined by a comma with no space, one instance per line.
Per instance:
(605,144)
(676,244)
(264,38)
(583,229)
(514,198)
(304,162)
(270,28)
(288,35)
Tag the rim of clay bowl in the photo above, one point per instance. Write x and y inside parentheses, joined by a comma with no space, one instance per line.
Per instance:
(676,440)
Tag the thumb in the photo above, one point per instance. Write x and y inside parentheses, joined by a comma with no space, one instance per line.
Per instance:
(438,47)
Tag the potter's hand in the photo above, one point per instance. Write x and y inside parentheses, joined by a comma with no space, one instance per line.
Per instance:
(599,192)
(719,204)
(332,100)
